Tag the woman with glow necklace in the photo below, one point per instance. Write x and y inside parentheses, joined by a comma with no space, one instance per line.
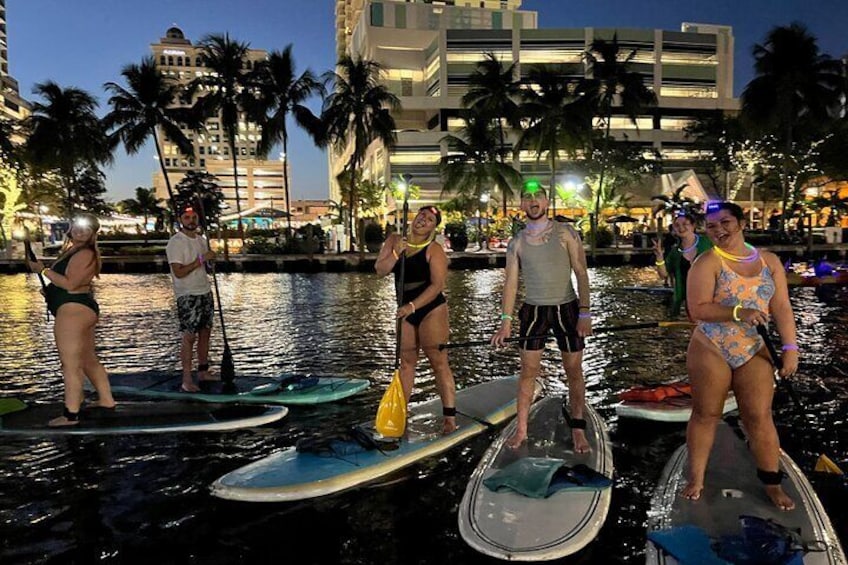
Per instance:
(731,290)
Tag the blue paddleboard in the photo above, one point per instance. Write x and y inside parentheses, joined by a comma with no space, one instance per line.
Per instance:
(296,475)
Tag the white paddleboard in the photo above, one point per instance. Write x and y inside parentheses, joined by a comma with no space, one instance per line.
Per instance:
(731,489)
(511,526)
(138,418)
(669,410)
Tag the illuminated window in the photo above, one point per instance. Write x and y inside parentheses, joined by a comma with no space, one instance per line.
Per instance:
(689,91)
(675,124)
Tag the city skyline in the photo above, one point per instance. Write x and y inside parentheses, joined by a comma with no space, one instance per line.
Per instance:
(89,45)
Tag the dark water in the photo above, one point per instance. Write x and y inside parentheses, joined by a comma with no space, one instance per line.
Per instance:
(145,498)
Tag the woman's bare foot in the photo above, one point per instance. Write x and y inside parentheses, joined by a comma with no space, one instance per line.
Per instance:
(189,386)
(692,491)
(581,444)
(449,425)
(779,498)
(61,422)
(519,437)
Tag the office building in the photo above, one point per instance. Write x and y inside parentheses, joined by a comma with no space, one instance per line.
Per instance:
(429,49)
(260,181)
(12,106)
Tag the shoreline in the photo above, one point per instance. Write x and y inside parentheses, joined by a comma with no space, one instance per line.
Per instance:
(356,262)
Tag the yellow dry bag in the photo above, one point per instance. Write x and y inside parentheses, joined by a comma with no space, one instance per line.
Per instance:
(391,415)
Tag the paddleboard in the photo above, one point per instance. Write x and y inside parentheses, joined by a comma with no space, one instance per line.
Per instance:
(511,526)
(296,475)
(293,389)
(17,417)
(731,490)
(668,409)
(651,289)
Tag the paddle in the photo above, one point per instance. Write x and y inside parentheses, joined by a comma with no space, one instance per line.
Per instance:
(824,463)
(228,369)
(390,421)
(607,329)
(31,256)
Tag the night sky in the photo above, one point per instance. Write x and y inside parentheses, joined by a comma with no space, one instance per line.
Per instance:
(86,43)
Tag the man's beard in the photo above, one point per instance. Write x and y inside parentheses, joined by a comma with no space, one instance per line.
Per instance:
(542,213)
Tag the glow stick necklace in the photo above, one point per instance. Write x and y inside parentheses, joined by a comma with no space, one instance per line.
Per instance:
(691,247)
(755,254)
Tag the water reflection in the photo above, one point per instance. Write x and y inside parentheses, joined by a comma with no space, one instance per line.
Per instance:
(112,499)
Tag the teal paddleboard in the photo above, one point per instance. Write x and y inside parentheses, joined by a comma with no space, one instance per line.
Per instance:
(296,475)
(288,389)
(24,418)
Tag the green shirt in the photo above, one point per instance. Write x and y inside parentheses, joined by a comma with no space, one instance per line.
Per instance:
(678,267)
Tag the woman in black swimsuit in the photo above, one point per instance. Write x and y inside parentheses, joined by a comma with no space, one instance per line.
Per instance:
(70,301)
(423,309)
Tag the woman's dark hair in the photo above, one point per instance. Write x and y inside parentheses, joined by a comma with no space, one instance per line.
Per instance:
(433,210)
(718,205)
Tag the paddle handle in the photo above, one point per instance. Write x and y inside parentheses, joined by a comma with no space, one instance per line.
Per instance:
(775,358)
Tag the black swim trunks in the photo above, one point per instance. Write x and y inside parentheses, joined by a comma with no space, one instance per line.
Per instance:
(540,320)
(195,312)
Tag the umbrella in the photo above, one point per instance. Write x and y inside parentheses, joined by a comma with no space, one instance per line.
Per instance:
(623,220)
(269,213)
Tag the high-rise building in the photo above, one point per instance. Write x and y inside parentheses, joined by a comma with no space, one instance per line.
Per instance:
(260,181)
(429,49)
(12,106)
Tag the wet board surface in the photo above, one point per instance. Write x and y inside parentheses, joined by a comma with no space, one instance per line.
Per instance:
(512,526)
(731,489)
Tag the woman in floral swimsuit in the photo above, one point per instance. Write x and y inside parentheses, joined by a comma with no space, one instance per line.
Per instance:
(730,291)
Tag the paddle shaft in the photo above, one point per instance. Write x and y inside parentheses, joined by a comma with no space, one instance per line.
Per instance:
(31,256)
(401,275)
(639,326)
(778,364)
(228,372)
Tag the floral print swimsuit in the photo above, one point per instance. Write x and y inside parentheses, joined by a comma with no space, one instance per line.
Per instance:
(738,342)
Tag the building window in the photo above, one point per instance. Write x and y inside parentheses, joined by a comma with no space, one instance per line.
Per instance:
(170,60)
(377,14)
(497,20)
(202,163)
(406,87)
(179,61)
(198,62)
(202,150)
(162,60)
(400,16)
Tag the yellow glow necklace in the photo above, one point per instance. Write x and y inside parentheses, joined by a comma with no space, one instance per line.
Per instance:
(420,245)
(753,256)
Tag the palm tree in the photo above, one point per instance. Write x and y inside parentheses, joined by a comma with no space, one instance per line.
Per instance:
(146,105)
(493,92)
(795,88)
(66,136)
(557,117)
(279,93)
(613,84)
(357,112)
(145,204)
(227,89)
(470,165)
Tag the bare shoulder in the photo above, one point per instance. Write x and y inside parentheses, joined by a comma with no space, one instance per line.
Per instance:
(772,260)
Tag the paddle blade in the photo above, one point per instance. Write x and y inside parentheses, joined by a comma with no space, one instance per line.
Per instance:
(391,414)
(228,368)
(825,465)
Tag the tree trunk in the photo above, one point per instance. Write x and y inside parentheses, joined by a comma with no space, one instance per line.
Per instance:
(601,185)
(232,134)
(171,198)
(286,180)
